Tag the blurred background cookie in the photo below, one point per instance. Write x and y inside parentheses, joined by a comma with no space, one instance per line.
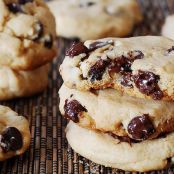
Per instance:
(27,34)
(168,27)
(15,84)
(93,19)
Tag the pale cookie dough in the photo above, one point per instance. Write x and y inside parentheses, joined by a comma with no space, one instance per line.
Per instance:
(14,84)
(27,34)
(168,27)
(14,134)
(94,19)
(110,111)
(138,66)
(110,152)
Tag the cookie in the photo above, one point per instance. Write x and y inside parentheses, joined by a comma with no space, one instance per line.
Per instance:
(94,19)
(27,37)
(14,134)
(103,149)
(14,84)
(138,66)
(168,27)
(110,111)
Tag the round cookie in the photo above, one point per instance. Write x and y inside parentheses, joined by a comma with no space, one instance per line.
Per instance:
(14,133)
(138,66)
(14,84)
(168,27)
(110,111)
(94,19)
(27,37)
(108,151)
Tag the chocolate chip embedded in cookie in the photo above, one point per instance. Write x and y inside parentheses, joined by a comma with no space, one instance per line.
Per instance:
(14,134)
(142,66)
(97,70)
(76,49)
(11,139)
(110,111)
(147,83)
(73,109)
(14,8)
(141,127)
(93,19)
(27,38)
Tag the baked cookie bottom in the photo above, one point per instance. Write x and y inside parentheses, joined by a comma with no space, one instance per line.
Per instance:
(105,150)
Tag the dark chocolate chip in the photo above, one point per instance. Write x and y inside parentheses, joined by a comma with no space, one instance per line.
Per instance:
(48,41)
(38,27)
(127,79)
(136,54)
(97,70)
(14,8)
(24,1)
(76,49)
(11,139)
(88,4)
(119,64)
(93,46)
(147,83)
(72,110)
(141,127)
(170,49)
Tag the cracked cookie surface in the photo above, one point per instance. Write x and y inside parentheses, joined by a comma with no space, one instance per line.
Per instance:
(94,19)
(27,37)
(139,66)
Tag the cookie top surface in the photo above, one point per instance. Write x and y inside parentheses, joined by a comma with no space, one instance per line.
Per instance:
(110,152)
(139,66)
(27,37)
(110,111)
(167,29)
(14,133)
(93,19)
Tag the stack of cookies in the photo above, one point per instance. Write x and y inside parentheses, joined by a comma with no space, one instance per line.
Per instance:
(27,44)
(118,95)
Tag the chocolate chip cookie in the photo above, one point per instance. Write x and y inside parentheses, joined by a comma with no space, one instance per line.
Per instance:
(14,134)
(27,34)
(14,84)
(94,19)
(110,111)
(106,150)
(139,66)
